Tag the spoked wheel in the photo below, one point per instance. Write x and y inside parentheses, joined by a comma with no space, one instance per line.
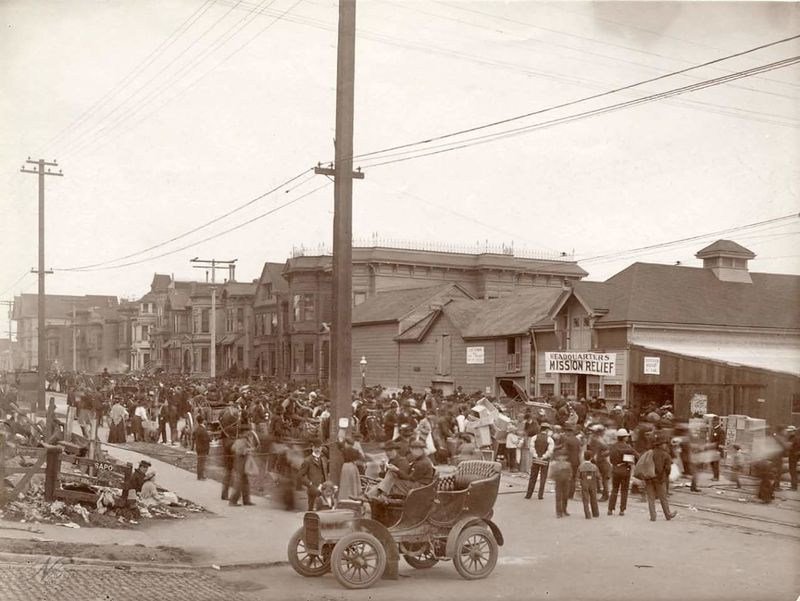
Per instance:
(419,557)
(476,553)
(358,560)
(303,562)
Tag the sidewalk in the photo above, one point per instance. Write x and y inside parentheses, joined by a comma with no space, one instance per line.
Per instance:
(231,535)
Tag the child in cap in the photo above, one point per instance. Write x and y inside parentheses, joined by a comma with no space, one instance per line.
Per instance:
(589,474)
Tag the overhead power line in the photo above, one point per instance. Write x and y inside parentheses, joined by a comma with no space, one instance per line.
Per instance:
(204,225)
(15,282)
(212,237)
(624,253)
(579,100)
(460,144)
(123,83)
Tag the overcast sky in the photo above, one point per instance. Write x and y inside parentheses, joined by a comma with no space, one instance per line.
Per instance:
(165,114)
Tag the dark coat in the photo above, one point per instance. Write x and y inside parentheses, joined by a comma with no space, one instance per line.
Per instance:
(202,440)
(313,471)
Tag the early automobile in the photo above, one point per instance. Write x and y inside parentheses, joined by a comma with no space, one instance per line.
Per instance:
(449,519)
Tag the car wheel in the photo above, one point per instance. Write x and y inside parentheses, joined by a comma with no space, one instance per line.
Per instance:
(420,558)
(303,562)
(358,560)
(476,553)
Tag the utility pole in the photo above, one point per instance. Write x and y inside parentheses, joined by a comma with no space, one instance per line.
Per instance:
(341,335)
(74,340)
(214,264)
(41,164)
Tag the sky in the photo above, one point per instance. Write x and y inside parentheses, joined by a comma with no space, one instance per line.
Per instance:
(165,115)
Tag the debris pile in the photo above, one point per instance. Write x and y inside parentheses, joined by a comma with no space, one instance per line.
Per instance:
(31,507)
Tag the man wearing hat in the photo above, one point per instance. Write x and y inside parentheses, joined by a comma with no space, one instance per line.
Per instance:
(420,473)
(399,464)
(541,448)
(138,476)
(313,472)
(622,457)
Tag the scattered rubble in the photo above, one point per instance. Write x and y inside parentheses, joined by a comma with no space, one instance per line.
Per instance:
(32,508)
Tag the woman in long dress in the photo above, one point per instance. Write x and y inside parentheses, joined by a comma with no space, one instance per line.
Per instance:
(349,481)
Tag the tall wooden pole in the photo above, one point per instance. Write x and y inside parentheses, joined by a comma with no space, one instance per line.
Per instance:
(41,351)
(341,338)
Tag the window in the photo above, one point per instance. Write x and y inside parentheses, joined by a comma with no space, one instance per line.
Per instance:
(576,322)
(613,391)
(587,322)
(359,297)
(308,307)
(297,308)
(547,390)
(239,319)
(229,316)
(273,317)
(568,388)
(513,355)
(240,355)
(204,321)
(146,358)
(303,307)
(297,359)
(145,332)
(308,356)
(204,359)
(593,389)
(268,289)
(272,360)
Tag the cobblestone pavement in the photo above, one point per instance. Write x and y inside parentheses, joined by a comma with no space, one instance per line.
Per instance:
(53,578)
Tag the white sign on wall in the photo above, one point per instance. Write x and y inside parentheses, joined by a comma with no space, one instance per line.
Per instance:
(652,366)
(698,404)
(596,364)
(474,355)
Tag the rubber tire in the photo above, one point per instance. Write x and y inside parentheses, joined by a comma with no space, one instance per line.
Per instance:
(339,549)
(294,542)
(465,534)
(420,564)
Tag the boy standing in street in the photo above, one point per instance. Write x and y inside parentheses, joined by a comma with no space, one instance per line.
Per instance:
(589,474)
(561,472)
(202,444)
(737,462)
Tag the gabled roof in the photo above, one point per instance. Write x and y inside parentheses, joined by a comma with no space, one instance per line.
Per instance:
(393,305)
(272,274)
(725,247)
(160,282)
(652,293)
(417,332)
(506,316)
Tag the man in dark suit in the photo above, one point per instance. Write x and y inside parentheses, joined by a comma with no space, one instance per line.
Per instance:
(313,472)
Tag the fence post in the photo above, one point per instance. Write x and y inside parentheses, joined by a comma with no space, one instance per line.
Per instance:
(52,471)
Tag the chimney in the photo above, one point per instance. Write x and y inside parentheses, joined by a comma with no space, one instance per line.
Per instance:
(728,261)
(232,272)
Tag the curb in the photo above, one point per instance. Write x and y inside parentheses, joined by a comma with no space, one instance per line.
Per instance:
(87,561)
(252,565)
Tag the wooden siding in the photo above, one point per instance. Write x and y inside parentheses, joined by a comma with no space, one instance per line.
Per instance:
(375,343)
(730,389)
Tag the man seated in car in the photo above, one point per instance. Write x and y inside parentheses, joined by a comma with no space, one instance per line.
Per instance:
(399,480)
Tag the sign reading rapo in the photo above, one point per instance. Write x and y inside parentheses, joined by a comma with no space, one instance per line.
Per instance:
(593,364)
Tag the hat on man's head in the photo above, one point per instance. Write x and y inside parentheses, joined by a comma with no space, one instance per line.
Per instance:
(316,443)
(545,426)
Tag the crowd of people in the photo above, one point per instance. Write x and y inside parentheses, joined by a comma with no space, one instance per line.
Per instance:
(265,427)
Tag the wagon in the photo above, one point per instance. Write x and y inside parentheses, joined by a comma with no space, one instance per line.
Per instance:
(447,520)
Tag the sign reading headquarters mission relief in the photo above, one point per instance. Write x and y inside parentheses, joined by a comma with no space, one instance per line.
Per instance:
(593,364)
